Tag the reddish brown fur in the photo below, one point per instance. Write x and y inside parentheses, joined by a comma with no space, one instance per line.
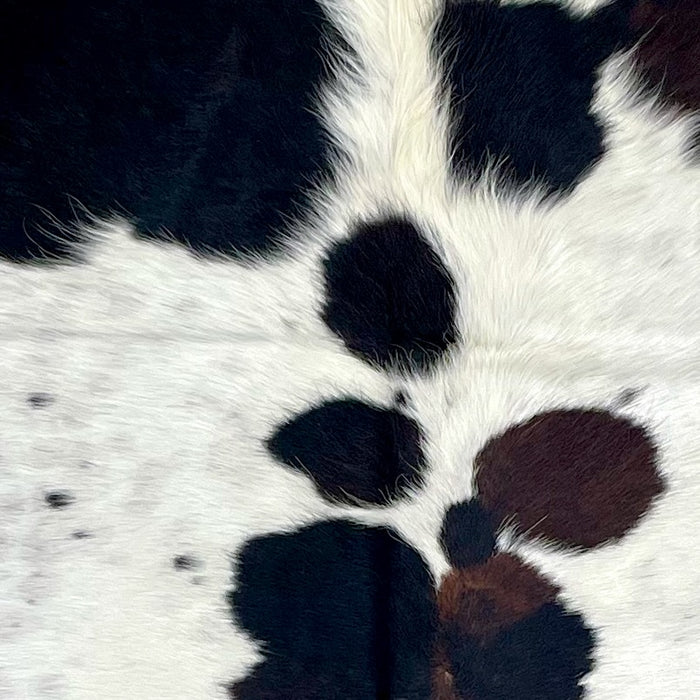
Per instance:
(483,600)
(669,51)
(576,477)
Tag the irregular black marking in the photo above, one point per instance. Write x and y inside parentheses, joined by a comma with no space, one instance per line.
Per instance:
(401,398)
(184,562)
(521,82)
(544,656)
(389,296)
(467,536)
(40,400)
(203,126)
(353,451)
(81,535)
(58,499)
(627,396)
(344,611)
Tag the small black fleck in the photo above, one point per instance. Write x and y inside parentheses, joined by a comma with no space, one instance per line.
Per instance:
(58,499)
(627,396)
(400,398)
(40,400)
(184,562)
(81,535)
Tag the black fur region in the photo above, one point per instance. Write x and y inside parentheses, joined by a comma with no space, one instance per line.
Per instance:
(194,117)
(521,82)
(389,296)
(353,451)
(466,535)
(345,612)
(544,656)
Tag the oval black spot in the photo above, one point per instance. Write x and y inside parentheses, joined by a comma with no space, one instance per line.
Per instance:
(467,536)
(521,80)
(389,297)
(184,562)
(58,499)
(40,400)
(344,612)
(353,451)
(544,656)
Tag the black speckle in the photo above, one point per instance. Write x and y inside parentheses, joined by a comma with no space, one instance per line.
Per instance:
(58,499)
(627,396)
(184,562)
(81,535)
(544,656)
(40,400)
(344,612)
(353,451)
(467,536)
(521,81)
(389,296)
(401,398)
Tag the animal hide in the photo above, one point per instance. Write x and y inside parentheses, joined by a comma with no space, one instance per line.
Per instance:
(351,350)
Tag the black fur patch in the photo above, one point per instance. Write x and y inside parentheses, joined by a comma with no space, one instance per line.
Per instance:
(353,451)
(389,296)
(544,657)
(521,81)
(467,536)
(190,116)
(344,611)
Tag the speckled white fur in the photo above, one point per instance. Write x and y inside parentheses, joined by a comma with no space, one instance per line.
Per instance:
(168,371)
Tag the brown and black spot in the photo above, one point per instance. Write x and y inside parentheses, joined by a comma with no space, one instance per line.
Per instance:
(503,635)
(576,477)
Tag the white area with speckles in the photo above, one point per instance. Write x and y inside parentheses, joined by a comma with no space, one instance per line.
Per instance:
(167,372)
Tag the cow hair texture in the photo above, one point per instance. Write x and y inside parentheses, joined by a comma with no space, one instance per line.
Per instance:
(350,350)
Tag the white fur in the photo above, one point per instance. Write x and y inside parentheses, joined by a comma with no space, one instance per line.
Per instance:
(168,371)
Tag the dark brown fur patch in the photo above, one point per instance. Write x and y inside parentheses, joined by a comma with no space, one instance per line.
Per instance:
(579,477)
(669,50)
(483,600)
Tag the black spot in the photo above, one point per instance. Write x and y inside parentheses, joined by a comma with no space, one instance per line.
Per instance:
(627,396)
(467,536)
(544,656)
(401,398)
(210,134)
(389,296)
(183,562)
(344,612)
(353,451)
(58,499)
(81,535)
(521,82)
(40,400)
